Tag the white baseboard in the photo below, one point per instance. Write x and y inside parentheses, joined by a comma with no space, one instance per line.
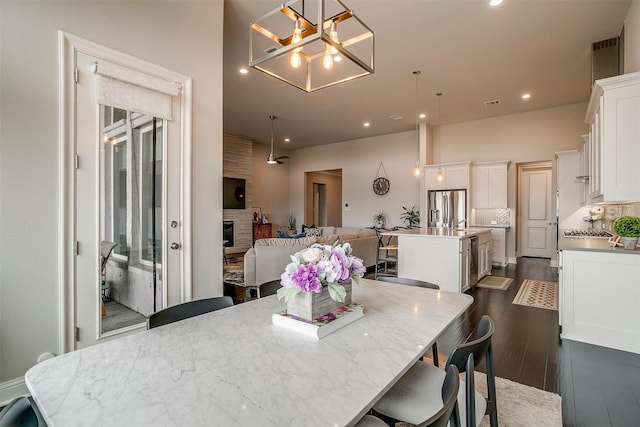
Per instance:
(11,389)
(513,260)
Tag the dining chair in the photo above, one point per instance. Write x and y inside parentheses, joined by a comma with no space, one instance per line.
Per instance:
(448,413)
(421,284)
(187,310)
(386,253)
(21,412)
(411,398)
(268,288)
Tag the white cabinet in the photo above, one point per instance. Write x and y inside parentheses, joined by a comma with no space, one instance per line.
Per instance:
(569,188)
(465,263)
(498,247)
(484,255)
(489,185)
(600,298)
(452,176)
(440,260)
(583,177)
(614,153)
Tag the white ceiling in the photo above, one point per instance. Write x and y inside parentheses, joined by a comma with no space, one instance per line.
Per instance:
(467,50)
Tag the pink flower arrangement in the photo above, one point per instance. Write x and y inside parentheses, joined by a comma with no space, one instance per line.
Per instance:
(320,266)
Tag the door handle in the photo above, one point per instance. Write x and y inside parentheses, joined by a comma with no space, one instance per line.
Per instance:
(175,245)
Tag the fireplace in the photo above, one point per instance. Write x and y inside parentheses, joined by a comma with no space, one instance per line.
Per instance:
(227,234)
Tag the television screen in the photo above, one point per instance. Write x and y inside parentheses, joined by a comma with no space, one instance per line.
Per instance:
(233,193)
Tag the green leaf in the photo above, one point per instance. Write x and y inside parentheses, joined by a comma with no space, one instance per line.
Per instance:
(287,293)
(337,292)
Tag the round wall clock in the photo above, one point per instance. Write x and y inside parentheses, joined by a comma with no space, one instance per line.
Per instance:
(381,186)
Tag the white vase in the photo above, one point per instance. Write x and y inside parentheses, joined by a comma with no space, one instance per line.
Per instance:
(629,243)
(310,306)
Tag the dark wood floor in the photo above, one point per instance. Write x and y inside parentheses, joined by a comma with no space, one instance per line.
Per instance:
(599,386)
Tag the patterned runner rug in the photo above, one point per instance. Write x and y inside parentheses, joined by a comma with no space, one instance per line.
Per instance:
(492,282)
(534,293)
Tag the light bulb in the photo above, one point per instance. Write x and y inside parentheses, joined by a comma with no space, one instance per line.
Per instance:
(333,35)
(327,61)
(296,59)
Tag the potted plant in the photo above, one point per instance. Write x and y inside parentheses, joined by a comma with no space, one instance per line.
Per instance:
(628,228)
(292,222)
(410,217)
(380,219)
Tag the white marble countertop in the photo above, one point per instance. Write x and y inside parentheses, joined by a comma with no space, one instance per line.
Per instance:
(447,232)
(590,244)
(233,367)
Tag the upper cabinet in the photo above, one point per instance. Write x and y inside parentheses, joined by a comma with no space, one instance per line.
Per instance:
(489,185)
(614,147)
(451,176)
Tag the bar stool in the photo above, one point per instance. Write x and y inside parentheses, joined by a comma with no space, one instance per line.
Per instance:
(387,253)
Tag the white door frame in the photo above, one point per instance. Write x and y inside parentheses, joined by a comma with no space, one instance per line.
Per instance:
(68,46)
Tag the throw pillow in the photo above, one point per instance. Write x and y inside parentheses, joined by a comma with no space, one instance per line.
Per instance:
(282,235)
(298,236)
(314,232)
(304,227)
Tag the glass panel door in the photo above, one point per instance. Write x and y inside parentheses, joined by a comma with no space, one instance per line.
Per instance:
(131,220)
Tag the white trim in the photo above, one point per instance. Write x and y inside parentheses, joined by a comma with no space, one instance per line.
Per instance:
(66,232)
(513,260)
(11,389)
(185,193)
(68,47)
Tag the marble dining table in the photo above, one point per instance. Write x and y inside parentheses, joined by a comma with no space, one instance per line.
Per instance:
(233,367)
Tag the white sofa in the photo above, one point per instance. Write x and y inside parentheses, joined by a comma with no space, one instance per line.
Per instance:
(268,258)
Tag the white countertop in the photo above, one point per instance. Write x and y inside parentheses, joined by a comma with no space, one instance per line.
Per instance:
(590,244)
(233,367)
(456,233)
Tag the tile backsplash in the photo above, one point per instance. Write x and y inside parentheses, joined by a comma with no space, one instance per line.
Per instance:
(502,217)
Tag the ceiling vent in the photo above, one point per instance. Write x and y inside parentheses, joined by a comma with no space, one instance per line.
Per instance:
(396,117)
(605,59)
(491,103)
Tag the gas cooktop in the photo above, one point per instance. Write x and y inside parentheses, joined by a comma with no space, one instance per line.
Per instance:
(603,234)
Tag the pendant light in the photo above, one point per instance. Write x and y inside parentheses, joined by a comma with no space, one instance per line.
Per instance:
(416,171)
(326,60)
(440,177)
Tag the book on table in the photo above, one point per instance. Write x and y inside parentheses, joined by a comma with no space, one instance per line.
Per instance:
(323,325)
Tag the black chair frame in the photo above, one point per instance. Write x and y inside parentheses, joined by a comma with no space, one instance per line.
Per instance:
(187,310)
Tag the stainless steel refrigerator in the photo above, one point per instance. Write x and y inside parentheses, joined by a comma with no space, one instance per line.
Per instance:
(447,208)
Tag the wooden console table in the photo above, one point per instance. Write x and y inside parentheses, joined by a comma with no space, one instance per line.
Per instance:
(261,231)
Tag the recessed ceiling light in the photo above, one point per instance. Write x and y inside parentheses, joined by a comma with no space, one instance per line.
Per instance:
(287,140)
(396,117)
(366,124)
(526,96)
(244,71)
(495,2)
(422,115)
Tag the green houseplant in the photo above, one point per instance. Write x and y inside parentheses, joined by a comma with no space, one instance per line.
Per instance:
(410,217)
(380,219)
(628,228)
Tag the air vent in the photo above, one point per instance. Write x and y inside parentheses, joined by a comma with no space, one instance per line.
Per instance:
(605,59)
(396,117)
(491,103)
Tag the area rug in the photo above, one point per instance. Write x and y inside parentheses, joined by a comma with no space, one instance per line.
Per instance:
(492,282)
(519,404)
(534,293)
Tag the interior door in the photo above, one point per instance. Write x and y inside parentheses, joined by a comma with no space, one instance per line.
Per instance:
(127,211)
(537,222)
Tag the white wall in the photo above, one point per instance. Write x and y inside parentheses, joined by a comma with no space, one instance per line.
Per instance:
(632,38)
(271,187)
(520,138)
(359,160)
(183,36)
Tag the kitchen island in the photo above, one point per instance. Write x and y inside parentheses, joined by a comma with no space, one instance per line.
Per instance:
(444,256)
(599,293)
